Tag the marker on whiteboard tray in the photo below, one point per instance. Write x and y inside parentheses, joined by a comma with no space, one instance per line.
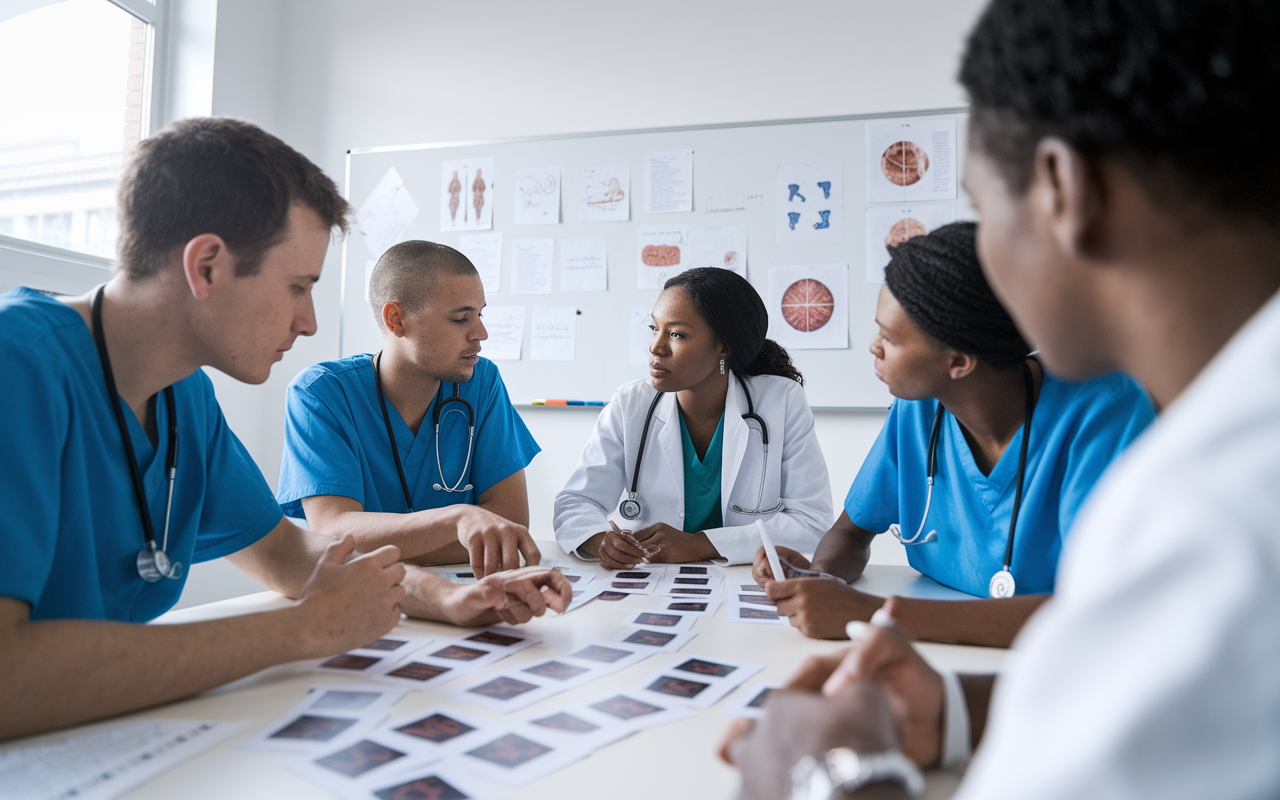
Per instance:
(560,402)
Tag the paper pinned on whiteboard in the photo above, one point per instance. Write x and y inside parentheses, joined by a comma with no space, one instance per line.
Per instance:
(668,181)
(386,214)
(466,194)
(505,325)
(641,336)
(538,195)
(889,226)
(554,333)
(661,254)
(911,159)
(810,205)
(584,264)
(606,194)
(723,246)
(531,265)
(484,250)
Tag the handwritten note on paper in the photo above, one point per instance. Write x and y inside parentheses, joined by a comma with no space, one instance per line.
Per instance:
(538,195)
(531,265)
(641,336)
(505,325)
(606,194)
(485,252)
(386,213)
(554,334)
(668,181)
(583,264)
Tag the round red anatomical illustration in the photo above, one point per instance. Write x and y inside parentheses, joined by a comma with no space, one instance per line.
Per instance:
(903,230)
(660,255)
(904,163)
(807,305)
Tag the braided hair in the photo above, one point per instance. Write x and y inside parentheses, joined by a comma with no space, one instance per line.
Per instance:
(739,320)
(938,281)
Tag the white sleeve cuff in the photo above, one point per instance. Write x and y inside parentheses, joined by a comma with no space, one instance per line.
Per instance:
(956,745)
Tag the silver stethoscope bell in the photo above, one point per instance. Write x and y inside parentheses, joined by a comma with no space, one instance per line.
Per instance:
(154,564)
(629,508)
(440,488)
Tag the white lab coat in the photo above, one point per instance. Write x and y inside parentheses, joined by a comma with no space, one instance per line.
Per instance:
(796,472)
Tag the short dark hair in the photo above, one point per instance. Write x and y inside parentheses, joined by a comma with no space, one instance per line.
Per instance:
(938,281)
(222,176)
(739,320)
(407,272)
(1176,91)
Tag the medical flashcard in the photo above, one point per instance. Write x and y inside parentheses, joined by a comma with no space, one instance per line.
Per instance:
(363,659)
(911,160)
(890,226)
(520,756)
(661,251)
(631,586)
(484,250)
(577,727)
(754,608)
(723,246)
(386,213)
(505,325)
(326,714)
(466,194)
(107,759)
(434,781)
(668,181)
(584,264)
(809,203)
(538,195)
(698,681)
(641,335)
(809,306)
(531,261)
(606,194)
(554,333)
(666,641)
(634,712)
(361,760)
(697,608)
(503,638)
(663,620)
(750,702)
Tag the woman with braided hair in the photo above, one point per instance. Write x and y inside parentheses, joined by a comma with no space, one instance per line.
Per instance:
(963,376)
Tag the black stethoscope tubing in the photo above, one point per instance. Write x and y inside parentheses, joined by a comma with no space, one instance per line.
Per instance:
(436,413)
(153,562)
(630,507)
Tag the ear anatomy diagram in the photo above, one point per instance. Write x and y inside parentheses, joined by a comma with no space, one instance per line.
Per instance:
(455,190)
(904,163)
(605,194)
(807,305)
(613,194)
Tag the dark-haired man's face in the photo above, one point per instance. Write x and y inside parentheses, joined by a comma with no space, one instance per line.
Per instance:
(445,335)
(1046,288)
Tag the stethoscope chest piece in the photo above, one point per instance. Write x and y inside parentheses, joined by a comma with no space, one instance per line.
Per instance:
(629,509)
(1002,584)
(154,564)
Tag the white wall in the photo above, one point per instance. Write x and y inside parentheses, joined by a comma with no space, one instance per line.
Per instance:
(329,75)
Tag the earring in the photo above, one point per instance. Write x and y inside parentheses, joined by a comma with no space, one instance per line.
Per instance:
(722,366)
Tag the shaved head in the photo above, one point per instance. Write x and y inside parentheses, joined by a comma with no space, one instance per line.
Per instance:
(406,274)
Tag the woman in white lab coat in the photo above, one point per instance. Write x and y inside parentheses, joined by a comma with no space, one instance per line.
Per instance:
(708,481)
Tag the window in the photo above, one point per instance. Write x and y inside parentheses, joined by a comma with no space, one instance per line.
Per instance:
(76,101)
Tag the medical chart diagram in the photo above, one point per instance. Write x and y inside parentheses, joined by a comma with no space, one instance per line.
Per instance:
(810,203)
(889,226)
(809,306)
(538,195)
(911,159)
(466,195)
(606,194)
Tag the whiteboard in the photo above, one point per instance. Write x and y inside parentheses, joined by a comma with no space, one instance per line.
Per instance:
(735,167)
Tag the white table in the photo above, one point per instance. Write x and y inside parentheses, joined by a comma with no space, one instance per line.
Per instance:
(678,759)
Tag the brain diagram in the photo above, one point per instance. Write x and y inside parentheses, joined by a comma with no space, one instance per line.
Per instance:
(807,305)
(903,230)
(904,163)
(660,255)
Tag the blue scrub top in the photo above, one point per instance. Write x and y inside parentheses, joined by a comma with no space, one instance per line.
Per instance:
(71,527)
(702,480)
(335,440)
(1077,430)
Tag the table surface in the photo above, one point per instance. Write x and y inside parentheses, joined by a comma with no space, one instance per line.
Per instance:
(679,757)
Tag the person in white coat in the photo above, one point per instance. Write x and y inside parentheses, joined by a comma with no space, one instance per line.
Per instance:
(718,444)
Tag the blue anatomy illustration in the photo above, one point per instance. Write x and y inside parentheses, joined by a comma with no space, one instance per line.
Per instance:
(794,217)
(825,222)
(825,186)
(794,188)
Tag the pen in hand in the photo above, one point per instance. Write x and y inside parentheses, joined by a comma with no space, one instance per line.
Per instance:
(649,551)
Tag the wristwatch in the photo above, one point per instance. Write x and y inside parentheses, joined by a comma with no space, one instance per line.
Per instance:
(844,770)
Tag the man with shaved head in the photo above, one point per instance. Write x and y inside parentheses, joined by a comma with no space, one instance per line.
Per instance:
(418,445)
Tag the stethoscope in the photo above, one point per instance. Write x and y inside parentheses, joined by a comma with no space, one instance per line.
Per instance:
(630,508)
(153,563)
(1002,583)
(436,413)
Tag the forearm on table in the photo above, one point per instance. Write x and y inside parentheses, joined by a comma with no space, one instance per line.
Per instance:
(428,595)
(844,550)
(65,672)
(418,535)
(983,622)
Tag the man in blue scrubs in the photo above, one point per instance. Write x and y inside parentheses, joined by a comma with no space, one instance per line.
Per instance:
(444,494)
(223,232)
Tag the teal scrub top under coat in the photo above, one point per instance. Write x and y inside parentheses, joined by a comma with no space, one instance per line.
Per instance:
(702,481)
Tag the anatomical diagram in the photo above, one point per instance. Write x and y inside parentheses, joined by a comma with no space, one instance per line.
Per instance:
(477,193)
(903,230)
(455,190)
(904,163)
(807,305)
(660,255)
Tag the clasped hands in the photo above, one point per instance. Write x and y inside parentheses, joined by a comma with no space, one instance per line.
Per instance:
(657,543)
(875,696)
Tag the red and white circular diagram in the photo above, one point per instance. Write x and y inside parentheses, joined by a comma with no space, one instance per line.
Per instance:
(903,230)
(807,305)
(904,163)
(660,255)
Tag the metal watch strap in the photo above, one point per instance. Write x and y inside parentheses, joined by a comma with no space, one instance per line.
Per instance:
(844,770)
